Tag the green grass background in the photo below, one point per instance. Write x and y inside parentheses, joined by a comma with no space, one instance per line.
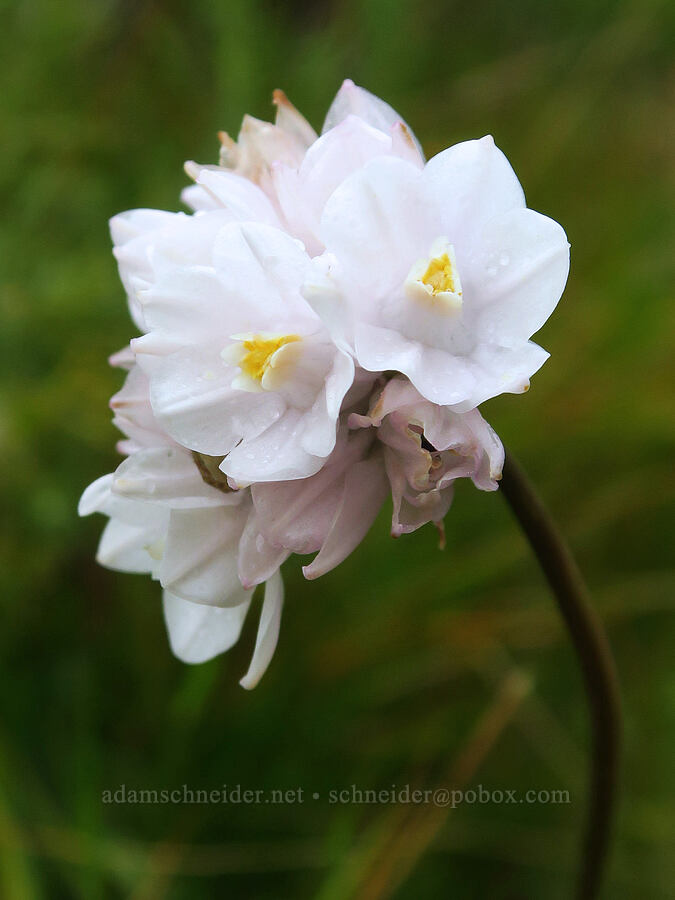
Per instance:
(407,665)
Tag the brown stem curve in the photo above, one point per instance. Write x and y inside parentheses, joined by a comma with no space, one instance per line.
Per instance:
(596,661)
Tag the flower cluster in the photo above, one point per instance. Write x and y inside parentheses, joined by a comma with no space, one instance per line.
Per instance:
(317,335)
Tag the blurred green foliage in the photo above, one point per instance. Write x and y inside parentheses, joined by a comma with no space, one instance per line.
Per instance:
(406,659)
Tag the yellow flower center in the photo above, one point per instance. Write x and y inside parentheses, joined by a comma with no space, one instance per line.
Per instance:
(435,279)
(439,275)
(259,352)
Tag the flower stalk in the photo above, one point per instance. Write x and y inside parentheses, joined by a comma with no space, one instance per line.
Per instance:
(597,666)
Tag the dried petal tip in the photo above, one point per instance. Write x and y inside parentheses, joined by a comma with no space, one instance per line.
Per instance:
(226,140)
(279,98)
(405,132)
(292,122)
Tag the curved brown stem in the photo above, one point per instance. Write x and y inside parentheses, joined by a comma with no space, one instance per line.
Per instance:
(597,665)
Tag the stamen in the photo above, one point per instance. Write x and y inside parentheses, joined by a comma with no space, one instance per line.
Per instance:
(259,352)
(439,275)
(436,279)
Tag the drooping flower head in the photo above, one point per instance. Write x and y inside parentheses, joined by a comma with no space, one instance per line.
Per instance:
(316,335)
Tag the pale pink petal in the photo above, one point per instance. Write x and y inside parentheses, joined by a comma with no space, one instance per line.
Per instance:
(296,445)
(303,192)
(168,476)
(133,414)
(396,393)
(290,121)
(127,548)
(365,491)
(268,632)
(426,448)
(133,530)
(275,454)
(123,359)
(190,304)
(437,375)
(352,100)
(517,277)
(405,145)
(500,370)
(325,292)
(194,401)
(200,554)
(467,185)
(262,269)
(99,497)
(133,223)
(491,456)
(96,496)
(260,144)
(198,633)
(377,224)
(196,198)
(178,240)
(131,235)
(319,434)
(299,515)
(412,513)
(258,558)
(240,197)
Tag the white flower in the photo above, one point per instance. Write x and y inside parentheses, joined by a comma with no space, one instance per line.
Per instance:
(198,633)
(316,336)
(296,171)
(346,146)
(147,240)
(239,363)
(426,449)
(302,191)
(352,100)
(167,519)
(330,512)
(261,144)
(441,274)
